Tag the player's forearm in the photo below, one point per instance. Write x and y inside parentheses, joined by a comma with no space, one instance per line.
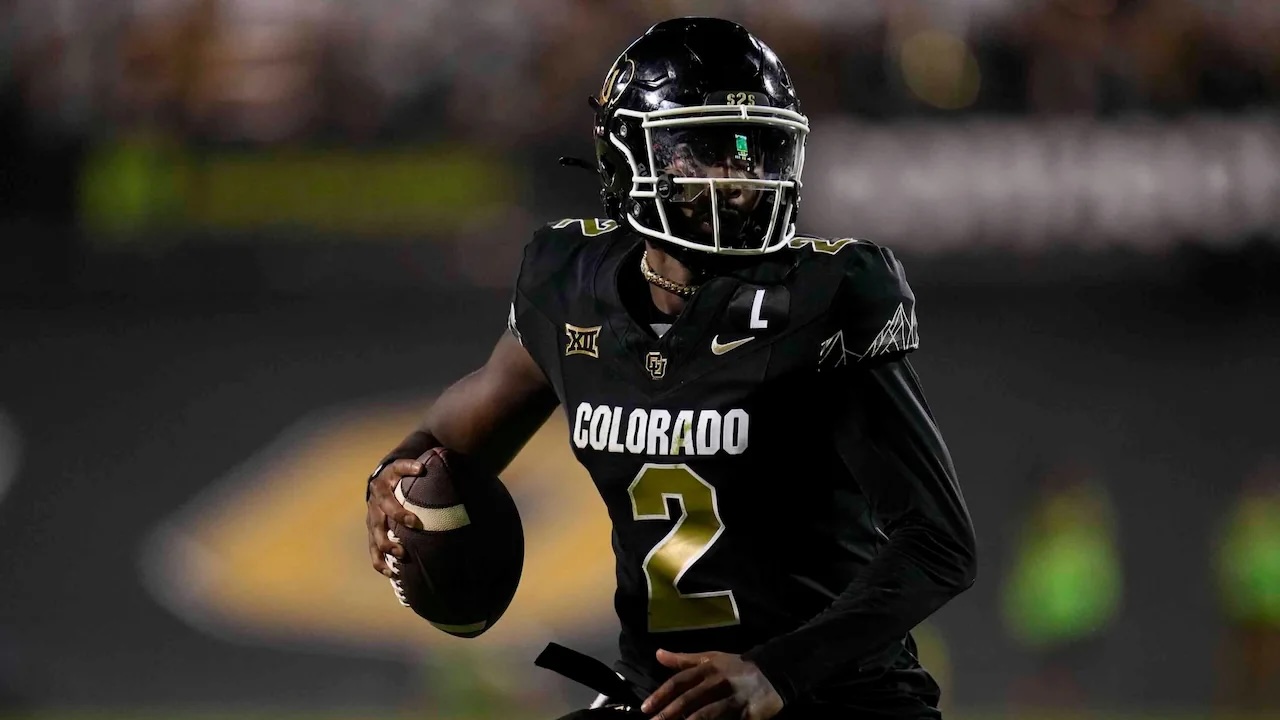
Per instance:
(910,579)
(416,444)
(490,413)
(491,450)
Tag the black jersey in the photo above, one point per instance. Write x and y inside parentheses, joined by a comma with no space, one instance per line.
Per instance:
(724,450)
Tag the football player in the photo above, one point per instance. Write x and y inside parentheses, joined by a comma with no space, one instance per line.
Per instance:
(784,508)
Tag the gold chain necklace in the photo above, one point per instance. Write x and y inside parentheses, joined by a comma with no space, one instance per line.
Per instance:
(668,285)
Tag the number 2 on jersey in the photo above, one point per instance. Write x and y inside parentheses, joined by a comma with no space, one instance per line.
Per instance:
(697,529)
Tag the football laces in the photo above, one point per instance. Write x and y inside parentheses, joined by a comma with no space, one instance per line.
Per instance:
(394,564)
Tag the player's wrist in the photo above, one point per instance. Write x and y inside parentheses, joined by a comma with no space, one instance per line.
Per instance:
(772,670)
(414,446)
(368,486)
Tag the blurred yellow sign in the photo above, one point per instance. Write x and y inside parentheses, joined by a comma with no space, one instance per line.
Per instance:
(138,184)
(278,551)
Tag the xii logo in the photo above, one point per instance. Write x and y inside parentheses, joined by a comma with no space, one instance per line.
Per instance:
(582,340)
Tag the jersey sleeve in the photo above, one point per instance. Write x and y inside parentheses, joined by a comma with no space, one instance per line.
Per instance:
(886,436)
(552,268)
(876,309)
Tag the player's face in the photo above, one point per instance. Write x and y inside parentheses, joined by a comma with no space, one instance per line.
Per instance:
(726,154)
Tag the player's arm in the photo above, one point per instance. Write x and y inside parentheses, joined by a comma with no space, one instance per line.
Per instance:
(488,415)
(888,439)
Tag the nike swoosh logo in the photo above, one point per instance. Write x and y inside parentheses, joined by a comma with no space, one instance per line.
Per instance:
(721,348)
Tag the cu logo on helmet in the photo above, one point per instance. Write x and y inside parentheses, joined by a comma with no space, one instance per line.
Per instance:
(617,79)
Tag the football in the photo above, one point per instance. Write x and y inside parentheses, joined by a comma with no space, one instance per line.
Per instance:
(461,570)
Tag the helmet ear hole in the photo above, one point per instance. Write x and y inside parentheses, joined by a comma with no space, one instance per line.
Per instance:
(615,180)
(666,188)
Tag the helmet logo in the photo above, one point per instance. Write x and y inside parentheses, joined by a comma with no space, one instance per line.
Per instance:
(618,79)
(740,98)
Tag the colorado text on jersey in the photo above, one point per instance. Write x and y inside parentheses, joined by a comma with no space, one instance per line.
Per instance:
(653,432)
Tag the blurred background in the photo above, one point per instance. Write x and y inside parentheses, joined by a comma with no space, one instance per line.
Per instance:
(244,242)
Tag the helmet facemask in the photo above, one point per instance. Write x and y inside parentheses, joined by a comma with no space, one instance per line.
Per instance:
(720,179)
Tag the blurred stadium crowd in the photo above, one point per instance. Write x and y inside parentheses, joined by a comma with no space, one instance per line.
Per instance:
(1100,122)
(287,71)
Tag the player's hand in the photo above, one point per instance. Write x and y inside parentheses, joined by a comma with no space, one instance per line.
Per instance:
(382,505)
(710,686)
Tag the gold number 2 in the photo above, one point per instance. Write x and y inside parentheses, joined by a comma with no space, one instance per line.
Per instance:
(696,530)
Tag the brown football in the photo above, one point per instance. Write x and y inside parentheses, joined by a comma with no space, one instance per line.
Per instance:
(461,570)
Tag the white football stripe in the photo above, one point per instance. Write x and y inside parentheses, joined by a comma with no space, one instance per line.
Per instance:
(436,519)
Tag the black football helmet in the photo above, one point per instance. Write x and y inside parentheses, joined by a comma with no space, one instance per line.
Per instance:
(700,139)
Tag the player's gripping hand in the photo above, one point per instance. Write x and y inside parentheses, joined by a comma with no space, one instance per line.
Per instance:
(382,505)
(711,686)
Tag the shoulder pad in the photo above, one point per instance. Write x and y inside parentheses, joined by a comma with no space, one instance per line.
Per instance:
(557,245)
(874,314)
(557,264)
(545,253)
